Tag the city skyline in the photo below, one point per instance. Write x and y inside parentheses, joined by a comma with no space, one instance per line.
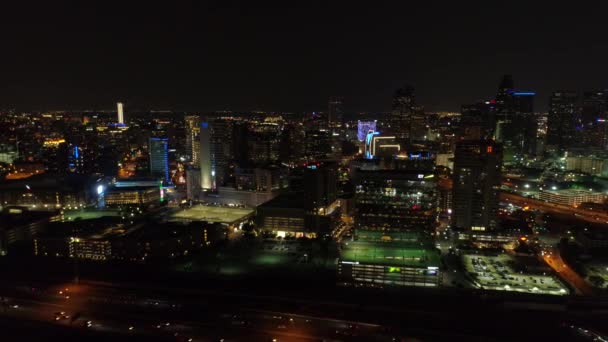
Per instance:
(240,171)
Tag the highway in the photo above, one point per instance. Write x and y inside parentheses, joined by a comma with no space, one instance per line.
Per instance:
(552,258)
(109,310)
(595,217)
(213,315)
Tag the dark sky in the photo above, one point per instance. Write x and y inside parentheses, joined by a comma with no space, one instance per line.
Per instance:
(212,55)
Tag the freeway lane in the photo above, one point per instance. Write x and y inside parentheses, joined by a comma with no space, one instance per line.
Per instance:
(552,257)
(211,314)
(594,217)
(122,314)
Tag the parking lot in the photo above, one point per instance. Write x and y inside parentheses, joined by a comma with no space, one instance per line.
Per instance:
(496,273)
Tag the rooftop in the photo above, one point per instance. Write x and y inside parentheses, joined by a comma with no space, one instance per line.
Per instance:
(390,254)
(217,214)
(286,200)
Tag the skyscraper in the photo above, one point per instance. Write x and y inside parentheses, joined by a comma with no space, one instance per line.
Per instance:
(476,183)
(562,120)
(193,129)
(505,86)
(335,112)
(159,159)
(221,149)
(478,121)
(120,113)
(207,175)
(594,119)
(516,124)
(407,119)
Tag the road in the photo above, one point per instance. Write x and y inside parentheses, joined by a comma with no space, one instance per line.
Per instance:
(595,217)
(552,257)
(97,308)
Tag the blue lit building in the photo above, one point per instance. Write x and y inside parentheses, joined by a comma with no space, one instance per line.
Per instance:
(159,160)
(364,127)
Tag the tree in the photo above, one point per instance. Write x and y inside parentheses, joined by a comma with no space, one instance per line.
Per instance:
(597,281)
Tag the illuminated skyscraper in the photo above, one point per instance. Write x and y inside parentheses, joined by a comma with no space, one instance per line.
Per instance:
(207,174)
(516,124)
(335,112)
(192,138)
(476,183)
(119,111)
(562,120)
(159,158)
(221,149)
(407,119)
(594,119)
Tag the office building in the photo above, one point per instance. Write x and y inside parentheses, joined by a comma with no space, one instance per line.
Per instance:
(562,120)
(475,184)
(318,144)
(206,172)
(478,121)
(335,111)
(263,141)
(393,201)
(159,158)
(515,121)
(407,121)
(193,129)
(594,119)
(221,144)
(120,113)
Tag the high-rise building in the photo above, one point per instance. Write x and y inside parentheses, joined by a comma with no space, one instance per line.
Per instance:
(562,120)
(407,118)
(318,144)
(594,119)
(395,201)
(293,138)
(478,121)
(206,176)
(505,86)
(120,113)
(193,129)
(320,182)
(159,158)
(476,184)
(221,149)
(515,121)
(263,141)
(240,138)
(335,111)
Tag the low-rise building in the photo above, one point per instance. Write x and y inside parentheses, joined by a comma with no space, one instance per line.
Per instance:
(571,197)
(388,263)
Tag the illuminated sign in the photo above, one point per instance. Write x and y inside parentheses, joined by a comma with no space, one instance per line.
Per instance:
(394,270)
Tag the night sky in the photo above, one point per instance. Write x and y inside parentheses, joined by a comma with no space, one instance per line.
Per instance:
(284,57)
